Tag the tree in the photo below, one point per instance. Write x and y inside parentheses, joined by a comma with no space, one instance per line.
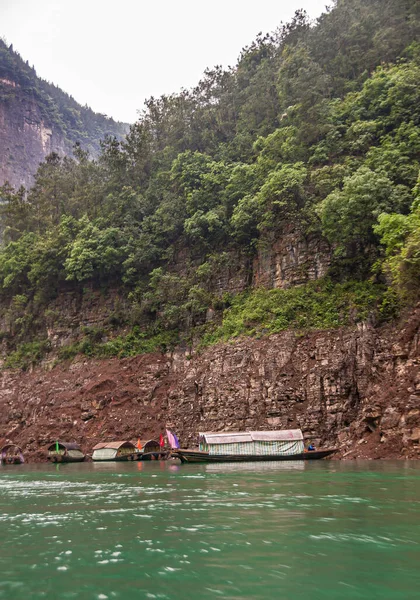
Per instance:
(348,216)
(94,253)
(15,212)
(283,193)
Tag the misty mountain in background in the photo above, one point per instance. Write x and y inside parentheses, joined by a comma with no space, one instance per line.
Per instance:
(37,118)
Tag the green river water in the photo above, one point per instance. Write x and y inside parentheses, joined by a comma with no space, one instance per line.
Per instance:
(329,529)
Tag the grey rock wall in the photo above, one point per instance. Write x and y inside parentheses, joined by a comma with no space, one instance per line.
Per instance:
(25,138)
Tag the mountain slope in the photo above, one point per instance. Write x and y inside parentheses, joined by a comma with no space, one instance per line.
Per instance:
(37,118)
(294,166)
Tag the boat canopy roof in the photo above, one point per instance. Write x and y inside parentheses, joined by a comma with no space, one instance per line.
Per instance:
(66,445)
(10,447)
(114,445)
(149,444)
(251,436)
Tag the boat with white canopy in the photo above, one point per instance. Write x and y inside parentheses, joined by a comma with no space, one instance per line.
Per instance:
(251,446)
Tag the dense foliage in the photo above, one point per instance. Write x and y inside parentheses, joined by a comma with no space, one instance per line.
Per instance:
(317,126)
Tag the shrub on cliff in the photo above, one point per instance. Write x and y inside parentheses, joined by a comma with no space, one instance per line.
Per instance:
(319,305)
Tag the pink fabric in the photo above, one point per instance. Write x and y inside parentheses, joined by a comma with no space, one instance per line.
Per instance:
(172,439)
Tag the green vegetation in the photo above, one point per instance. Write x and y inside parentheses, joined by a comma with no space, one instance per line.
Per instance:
(136,342)
(318,305)
(316,128)
(27,354)
(400,235)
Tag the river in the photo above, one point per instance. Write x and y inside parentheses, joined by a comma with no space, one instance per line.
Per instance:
(322,530)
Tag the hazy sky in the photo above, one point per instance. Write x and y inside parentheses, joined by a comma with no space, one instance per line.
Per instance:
(112,55)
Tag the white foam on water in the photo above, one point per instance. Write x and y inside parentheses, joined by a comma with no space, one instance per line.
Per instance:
(113,510)
(346,537)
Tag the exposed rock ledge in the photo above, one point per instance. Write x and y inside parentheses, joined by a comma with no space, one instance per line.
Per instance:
(355,388)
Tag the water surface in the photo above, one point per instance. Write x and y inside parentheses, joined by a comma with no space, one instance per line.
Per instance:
(330,530)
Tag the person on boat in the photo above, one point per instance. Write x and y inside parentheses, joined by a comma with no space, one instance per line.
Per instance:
(311,447)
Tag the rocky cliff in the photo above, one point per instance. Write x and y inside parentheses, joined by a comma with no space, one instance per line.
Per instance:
(356,388)
(26,138)
(37,118)
(291,259)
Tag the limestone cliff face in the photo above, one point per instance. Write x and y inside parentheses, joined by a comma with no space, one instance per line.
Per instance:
(37,118)
(291,259)
(356,388)
(26,138)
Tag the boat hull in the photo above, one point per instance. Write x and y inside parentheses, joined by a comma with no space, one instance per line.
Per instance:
(197,456)
(12,461)
(125,458)
(154,456)
(65,459)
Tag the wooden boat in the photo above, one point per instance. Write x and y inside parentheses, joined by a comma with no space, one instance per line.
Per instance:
(122,450)
(65,452)
(151,450)
(197,456)
(11,454)
(250,446)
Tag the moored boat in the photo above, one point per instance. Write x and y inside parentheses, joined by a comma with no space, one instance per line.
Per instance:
(250,446)
(65,452)
(11,454)
(151,450)
(121,450)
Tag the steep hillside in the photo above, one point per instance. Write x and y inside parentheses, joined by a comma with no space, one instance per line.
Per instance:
(297,165)
(354,388)
(37,118)
(272,210)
